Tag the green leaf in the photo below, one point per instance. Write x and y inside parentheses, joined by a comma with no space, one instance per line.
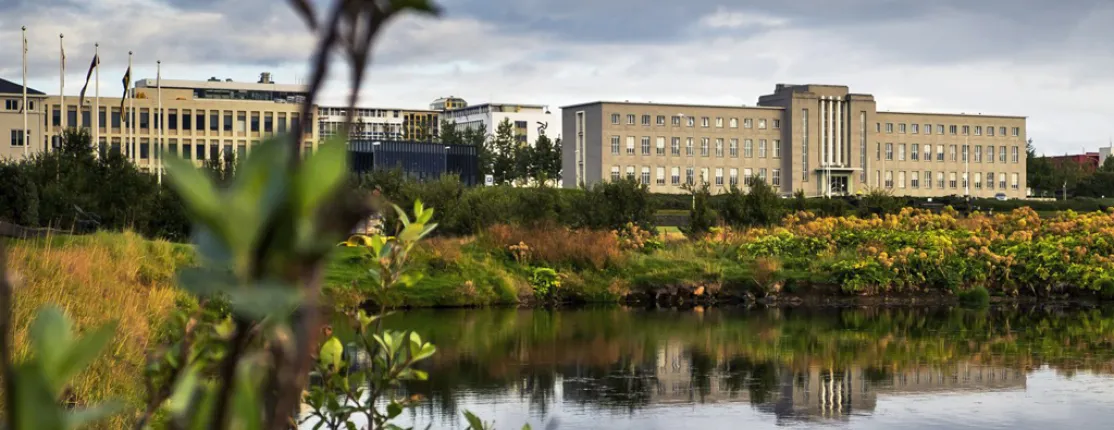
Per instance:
(84,417)
(411,233)
(246,400)
(401,215)
(83,352)
(526,427)
(51,337)
(320,175)
(264,300)
(34,400)
(424,216)
(183,391)
(418,208)
(196,189)
(205,282)
(426,351)
(394,409)
(474,422)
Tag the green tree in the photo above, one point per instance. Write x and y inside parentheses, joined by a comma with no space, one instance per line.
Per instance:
(545,158)
(701,218)
(504,148)
(1107,165)
(449,134)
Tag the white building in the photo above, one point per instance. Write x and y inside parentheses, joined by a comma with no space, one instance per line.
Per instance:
(526,119)
(1105,153)
(379,123)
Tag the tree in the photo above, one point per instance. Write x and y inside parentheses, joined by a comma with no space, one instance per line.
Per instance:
(700,216)
(449,134)
(477,136)
(504,148)
(545,158)
(1107,165)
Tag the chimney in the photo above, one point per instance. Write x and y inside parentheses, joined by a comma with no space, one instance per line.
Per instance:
(228,80)
(265,78)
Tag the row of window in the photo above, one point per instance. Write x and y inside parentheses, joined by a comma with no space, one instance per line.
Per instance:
(766,149)
(953,180)
(954,152)
(952,129)
(17,138)
(705,121)
(187,119)
(13,104)
(749,175)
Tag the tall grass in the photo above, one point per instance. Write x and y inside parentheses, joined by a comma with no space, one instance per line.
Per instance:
(96,279)
(558,246)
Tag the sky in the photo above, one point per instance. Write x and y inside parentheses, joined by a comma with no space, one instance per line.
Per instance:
(1049,60)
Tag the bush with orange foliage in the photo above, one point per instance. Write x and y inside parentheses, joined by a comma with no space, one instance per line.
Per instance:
(558,246)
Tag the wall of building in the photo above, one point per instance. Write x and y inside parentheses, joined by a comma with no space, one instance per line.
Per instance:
(581,150)
(524,120)
(12,120)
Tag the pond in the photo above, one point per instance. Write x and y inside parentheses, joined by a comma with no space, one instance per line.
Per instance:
(900,368)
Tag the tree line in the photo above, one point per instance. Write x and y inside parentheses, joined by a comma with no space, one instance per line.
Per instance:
(506,155)
(1050,178)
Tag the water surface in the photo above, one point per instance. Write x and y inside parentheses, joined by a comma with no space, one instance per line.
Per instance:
(618,368)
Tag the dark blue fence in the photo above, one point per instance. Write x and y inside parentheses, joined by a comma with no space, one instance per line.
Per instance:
(419,160)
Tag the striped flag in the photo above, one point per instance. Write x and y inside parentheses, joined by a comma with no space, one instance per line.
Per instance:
(88,76)
(127,84)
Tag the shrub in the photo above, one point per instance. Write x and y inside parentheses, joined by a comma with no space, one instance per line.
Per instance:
(978,298)
(700,215)
(558,246)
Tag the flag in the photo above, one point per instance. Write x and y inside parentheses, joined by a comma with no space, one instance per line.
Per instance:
(127,84)
(88,76)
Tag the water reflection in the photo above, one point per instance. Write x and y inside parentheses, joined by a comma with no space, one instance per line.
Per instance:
(613,367)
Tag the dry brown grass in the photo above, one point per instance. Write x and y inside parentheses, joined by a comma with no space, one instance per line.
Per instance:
(560,246)
(96,279)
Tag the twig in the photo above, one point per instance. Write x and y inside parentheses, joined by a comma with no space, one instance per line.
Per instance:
(228,372)
(5,341)
(159,395)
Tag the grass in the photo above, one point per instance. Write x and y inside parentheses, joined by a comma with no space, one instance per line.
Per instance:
(96,279)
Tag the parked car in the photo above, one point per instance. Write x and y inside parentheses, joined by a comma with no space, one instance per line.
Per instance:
(1000,196)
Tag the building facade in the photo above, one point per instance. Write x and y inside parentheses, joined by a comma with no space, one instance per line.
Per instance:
(528,120)
(448,103)
(199,120)
(417,160)
(380,123)
(820,139)
(13,143)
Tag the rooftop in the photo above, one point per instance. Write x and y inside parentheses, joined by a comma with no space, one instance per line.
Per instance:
(222,85)
(9,87)
(952,114)
(675,105)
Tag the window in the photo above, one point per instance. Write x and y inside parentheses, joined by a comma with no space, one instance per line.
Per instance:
(645,175)
(1013,181)
(645,119)
(676,120)
(630,145)
(889,179)
(928,154)
(1016,131)
(615,119)
(889,127)
(187,149)
(1001,181)
(733,123)
(675,176)
(1002,154)
(777,149)
(748,148)
(144,118)
(762,174)
(733,176)
(748,123)
(172,120)
(704,175)
(878,151)
(268,123)
(615,145)
(761,148)
(978,180)
(966,130)
(719,147)
(282,123)
(733,147)
(688,146)
(916,128)
(978,154)
(660,174)
(614,173)
(777,126)
(630,172)
(675,146)
(939,152)
(227,122)
(719,176)
(761,124)
(704,141)
(901,179)
(144,149)
(187,120)
(901,152)
(1014,154)
(200,151)
(901,128)
(978,130)
(17,138)
(928,179)
(928,130)
(1002,131)
(748,177)
(661,121)
(915,152)
(953,153)
(719,122)
(645,145)
(692,121)
(659,145)
(964,180)
(990,154)
(630,119)
(990,130)
(889,151)
(966,151)
(705,121)
(914,179)
(990,180)
(115,117)
(878,128)
(939,128)
(775,177)
(951,180)
(940,180)
(214,123)
(688,175)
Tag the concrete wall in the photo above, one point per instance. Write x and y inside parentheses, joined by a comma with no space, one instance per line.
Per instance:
(13,120)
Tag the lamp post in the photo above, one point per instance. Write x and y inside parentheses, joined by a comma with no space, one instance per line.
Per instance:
(445,158)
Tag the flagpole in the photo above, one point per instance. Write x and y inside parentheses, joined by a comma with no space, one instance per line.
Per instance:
(130,132)
(97,98)
(26,141)
(162,117)
(62,81)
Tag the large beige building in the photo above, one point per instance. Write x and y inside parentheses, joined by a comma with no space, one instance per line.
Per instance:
(13,145)
(821,139)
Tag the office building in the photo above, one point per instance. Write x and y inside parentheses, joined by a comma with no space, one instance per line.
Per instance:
(200,120)
(821,139)
(380,123)
(418,160)
(528,120)
(448,103)
(13,144)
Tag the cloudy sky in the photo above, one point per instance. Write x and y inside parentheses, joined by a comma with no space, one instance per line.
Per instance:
(1050,60)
